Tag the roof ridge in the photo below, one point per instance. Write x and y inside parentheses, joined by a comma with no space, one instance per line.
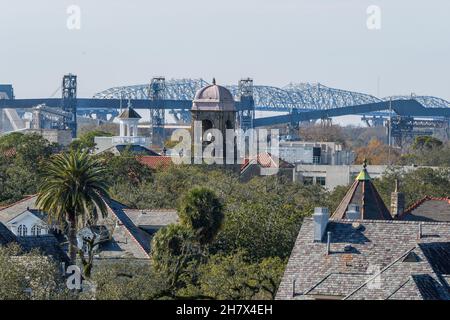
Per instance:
(391,221)
(17,202)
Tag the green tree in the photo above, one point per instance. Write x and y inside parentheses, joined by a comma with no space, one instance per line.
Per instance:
(426,143)
(173,247)
(20,159)
(72,190)
(415,184)
(29,276)
(202,211)
(234,277)
(86,141)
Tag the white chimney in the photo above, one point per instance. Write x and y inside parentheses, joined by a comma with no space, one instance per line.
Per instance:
(320,217)
(353,212)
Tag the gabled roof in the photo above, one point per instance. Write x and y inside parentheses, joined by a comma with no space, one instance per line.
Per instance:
(367,261)
(364,194)
(129,113)
(37,215)
(428,209)
(265,160)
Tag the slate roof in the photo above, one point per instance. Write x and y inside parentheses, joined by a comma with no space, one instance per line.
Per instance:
(156,218)
(370,259)
(129,113)
(428,209)
(46,244)
(364,194)
(13,210)
(6,236)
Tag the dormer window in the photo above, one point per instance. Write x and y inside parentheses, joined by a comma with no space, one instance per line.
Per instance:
(36,230)
(22,230)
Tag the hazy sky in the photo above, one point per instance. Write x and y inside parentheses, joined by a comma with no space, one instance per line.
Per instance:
(273,41)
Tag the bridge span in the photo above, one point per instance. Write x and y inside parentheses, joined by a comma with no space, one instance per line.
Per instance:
(301,102)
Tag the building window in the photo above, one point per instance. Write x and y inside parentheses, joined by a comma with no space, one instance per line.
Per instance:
(22,230)
(321,181)
(308,180)
(36,230)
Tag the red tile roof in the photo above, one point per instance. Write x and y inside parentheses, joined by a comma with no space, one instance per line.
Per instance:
(265,160)
(155,162)
(9,153)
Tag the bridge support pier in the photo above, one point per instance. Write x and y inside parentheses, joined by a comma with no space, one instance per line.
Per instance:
(247,114)
(157,115)
(69,102)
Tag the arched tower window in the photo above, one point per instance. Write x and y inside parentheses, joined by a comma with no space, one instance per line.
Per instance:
(206,125)
(35,230)
(22,230)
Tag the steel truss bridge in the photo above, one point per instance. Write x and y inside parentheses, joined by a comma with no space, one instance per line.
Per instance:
(301,102)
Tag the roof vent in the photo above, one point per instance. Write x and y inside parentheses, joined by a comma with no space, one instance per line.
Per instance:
(357,226)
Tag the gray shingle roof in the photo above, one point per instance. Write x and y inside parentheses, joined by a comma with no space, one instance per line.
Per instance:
(368,262)
(429,209)
(13,210)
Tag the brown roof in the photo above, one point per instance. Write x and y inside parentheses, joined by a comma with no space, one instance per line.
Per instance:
(265,160)
(429,209)
(363,194)
(155,162)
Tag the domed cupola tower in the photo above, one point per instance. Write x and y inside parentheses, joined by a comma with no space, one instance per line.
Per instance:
(214,107)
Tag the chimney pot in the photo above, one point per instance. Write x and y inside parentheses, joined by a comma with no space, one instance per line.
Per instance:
(320,217)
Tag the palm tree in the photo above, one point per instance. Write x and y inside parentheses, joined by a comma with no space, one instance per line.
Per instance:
(73,190)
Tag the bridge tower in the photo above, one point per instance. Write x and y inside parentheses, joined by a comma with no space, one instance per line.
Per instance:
(157,115)
(247,113)
(69,102)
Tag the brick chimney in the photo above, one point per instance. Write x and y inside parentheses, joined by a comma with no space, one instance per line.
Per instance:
(397,202)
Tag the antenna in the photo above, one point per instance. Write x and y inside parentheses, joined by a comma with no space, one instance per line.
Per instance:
(390,131)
